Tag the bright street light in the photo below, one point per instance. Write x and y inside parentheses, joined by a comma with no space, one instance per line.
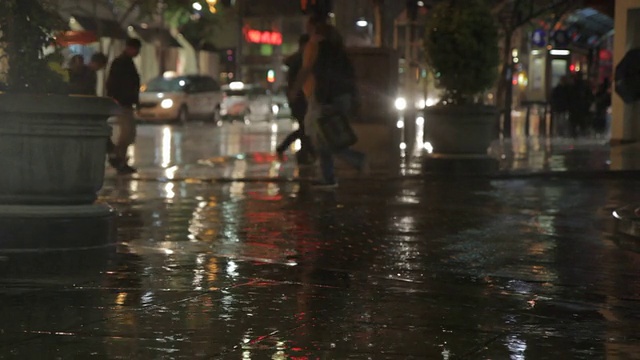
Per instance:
(196,6)
(362,23)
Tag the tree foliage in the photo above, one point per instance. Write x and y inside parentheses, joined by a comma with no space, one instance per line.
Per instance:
(27,29)
(462,48)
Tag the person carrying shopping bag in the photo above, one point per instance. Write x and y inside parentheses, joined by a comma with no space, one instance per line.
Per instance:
(327,79)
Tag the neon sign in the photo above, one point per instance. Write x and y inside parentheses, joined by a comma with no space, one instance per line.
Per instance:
(263,37)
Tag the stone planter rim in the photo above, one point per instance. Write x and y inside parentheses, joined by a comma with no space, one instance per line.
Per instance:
(459,109)
(58,104)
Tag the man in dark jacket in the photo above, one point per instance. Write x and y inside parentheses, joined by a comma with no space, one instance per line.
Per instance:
(298,109)
(123,84)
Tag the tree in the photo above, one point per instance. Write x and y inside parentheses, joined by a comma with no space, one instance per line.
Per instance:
(201,31)
(512,15)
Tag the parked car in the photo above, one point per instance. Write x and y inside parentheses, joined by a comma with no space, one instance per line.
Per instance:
(179,98)
(247,102)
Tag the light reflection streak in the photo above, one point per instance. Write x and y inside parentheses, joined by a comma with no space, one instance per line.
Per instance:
(279,354)
(133,186)
(417,149)
(231,269)
(168,190)
(121,298)
(170,173)
(517,347)
(239,169)
(166,147)
(131,154)
(274,137)
(147,298)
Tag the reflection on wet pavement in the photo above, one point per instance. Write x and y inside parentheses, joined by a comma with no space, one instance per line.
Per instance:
(378,269)
(388,270)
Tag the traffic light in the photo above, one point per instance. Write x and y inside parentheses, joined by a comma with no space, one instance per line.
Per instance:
(228,60)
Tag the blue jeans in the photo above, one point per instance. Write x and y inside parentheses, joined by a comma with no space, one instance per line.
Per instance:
(325,154)
(352,157)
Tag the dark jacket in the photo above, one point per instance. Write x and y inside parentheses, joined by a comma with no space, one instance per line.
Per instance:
(83,81)
(123,83)
(299,104)
(560,97)
(334,73)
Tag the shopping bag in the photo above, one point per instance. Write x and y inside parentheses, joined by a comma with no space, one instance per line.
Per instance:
(335,131)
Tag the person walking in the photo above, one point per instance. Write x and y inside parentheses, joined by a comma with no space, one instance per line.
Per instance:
(83,79)
(123,84)
(580,99)
(560,107)
(327,78)
(298,105)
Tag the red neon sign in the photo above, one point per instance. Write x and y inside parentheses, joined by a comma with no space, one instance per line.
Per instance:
(263,37)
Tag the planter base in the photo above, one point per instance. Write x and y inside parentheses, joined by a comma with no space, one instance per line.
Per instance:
(459,164)
(55,228)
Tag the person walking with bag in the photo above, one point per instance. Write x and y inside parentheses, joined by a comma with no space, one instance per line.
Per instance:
(123,84)
(327,78)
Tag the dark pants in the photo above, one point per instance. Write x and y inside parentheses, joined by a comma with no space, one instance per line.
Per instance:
(298,111)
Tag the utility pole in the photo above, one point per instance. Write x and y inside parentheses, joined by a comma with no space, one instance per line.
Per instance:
(160,44)
(239,53)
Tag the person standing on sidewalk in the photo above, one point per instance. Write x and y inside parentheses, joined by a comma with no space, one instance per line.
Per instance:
(560,95)
(298,105)
(83,79)
(327,78)
(123,84)
(580,99)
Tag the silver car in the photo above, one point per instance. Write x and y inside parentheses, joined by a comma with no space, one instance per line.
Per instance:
(179,98)
(247,102)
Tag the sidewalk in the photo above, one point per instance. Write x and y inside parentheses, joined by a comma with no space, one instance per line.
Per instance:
(392,266)
(235,153)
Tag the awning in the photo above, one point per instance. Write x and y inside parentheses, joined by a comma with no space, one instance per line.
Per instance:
(76,38)
(587,26)
(102,27)
(158,36)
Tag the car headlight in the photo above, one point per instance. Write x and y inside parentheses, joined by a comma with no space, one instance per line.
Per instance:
(275,109)
(400,103)
(166,104)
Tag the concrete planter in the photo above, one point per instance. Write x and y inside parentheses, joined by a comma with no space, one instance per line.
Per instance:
(52,148)
(460,129)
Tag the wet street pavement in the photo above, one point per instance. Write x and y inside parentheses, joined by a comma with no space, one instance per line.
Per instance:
(223,252)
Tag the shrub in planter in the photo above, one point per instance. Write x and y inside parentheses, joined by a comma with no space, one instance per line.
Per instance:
(461,44)
(52,145)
